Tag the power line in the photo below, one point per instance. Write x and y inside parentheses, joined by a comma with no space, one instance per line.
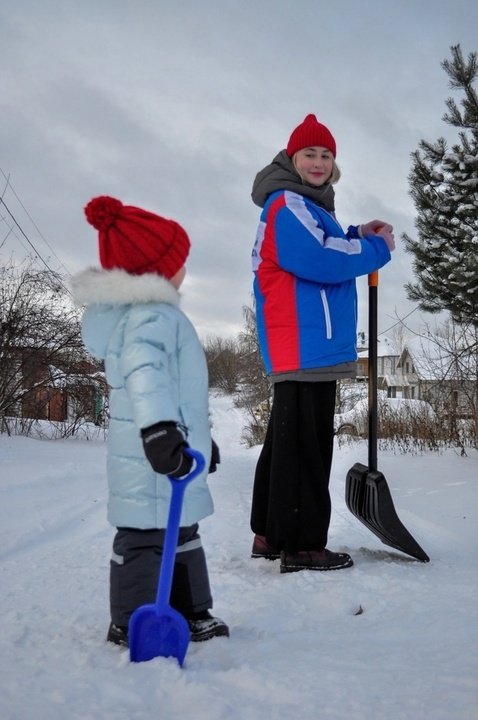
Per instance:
(11,231)
(32,245)
(10,186)
(399,321)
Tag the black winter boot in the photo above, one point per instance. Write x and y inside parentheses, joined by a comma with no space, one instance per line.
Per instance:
(117,635)
(314,560)
(203,626)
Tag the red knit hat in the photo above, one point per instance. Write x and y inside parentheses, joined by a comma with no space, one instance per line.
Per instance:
(310,133)
(136,240)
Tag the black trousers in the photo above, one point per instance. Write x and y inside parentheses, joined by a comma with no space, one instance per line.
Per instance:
(291,500)
(135,566)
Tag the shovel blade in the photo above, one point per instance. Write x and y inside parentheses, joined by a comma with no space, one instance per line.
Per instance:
(157,632)
(368,497)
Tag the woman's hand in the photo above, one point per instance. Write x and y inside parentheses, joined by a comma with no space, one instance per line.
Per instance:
(374,226)
(381,228)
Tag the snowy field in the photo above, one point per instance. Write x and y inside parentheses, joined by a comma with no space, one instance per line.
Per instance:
(297,650)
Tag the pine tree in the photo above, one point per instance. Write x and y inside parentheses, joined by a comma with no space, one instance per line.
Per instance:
(444,187)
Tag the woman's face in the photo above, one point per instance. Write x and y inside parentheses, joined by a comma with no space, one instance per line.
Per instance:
(314,164)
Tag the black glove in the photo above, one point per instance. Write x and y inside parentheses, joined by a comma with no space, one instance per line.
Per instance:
(164,446)
(215,457)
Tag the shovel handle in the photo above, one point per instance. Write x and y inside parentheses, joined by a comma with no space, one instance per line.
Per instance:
(373,276)
(178,486)
(372,371)
(196,469)
(373,279)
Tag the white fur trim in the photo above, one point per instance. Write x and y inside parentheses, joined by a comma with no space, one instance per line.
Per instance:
(117,287)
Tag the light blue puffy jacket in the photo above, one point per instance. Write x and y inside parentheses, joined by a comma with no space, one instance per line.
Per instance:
(156,369)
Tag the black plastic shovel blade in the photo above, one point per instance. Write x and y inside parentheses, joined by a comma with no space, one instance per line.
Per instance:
(368,497)
(157,632)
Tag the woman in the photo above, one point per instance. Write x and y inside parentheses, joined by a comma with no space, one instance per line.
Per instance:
(305,267)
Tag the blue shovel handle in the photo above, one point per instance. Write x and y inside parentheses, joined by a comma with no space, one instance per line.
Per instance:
(172,529)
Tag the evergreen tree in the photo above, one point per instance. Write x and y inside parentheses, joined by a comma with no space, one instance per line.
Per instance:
(444,187)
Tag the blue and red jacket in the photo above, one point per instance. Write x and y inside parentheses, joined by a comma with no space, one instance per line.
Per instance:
(305,268)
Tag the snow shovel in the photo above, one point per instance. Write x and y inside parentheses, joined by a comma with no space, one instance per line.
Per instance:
(367,494)
(157,629)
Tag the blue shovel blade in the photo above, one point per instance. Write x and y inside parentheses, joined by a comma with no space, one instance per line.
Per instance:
(157,632)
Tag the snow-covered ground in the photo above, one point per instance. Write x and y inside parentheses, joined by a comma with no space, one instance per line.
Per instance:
(297,647)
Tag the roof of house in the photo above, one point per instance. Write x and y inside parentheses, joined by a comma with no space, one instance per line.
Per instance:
(435,360)
(385,348)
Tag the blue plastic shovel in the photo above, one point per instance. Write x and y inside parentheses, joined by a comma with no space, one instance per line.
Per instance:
(157,629)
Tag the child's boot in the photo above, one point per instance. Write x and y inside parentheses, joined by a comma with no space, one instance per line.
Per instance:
(203,626)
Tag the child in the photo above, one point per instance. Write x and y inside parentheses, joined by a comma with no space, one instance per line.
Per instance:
(305,268)
(157,373)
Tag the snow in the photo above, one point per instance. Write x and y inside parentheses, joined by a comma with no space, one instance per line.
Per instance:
(298,648)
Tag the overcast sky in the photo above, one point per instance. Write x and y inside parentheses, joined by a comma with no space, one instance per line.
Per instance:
(175,105)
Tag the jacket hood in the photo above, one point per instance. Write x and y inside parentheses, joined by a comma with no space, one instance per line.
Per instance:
(282,175)
(108,295)
(117,287)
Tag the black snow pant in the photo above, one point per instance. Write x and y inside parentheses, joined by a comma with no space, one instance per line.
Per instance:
(135,566)
(291,501)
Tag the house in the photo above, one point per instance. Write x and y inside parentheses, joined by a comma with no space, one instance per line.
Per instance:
(432,376)
(387,358)
(437,372)
(76,395)
(66,396)
(73,388)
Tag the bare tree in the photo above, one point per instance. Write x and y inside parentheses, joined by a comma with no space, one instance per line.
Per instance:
(255,390)
(223,361)
(39,334)
(450,379)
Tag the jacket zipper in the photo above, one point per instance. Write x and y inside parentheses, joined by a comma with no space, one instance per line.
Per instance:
(328,324)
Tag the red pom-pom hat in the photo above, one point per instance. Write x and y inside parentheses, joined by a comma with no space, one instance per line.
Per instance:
(136,240)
